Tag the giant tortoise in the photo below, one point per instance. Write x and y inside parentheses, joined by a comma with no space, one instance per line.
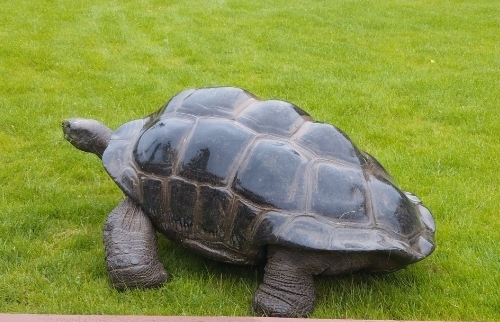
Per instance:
(242,180)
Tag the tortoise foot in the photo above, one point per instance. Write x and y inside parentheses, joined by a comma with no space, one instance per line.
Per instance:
(288,286)
(268,301)
(130,243)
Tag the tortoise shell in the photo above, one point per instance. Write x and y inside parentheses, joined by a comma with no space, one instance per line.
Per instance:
(224,173)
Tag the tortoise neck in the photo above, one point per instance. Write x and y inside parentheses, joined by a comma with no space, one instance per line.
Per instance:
(102,138)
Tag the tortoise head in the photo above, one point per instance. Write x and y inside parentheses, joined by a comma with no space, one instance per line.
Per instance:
(87,135)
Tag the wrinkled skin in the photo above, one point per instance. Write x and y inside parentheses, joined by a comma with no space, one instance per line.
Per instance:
(130,243)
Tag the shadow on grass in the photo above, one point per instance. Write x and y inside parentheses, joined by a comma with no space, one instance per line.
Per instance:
(338,294)
(178,259)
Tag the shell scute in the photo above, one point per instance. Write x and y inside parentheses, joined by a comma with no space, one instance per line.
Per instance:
(221,102)
(328,142)
(339,193)
(241,232)
(273,117)
(183,196)
(393,209)
(129,182)
(215,211)
(156,151)
(273,175)
(174,103)
(267,230)
(318,234)
(212,149)
(153,193)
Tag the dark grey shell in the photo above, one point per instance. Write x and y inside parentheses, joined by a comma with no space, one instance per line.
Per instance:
(225,174)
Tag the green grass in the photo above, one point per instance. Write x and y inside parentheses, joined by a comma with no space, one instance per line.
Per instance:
(415,83)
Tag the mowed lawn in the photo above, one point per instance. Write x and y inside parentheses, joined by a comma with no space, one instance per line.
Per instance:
(415,83)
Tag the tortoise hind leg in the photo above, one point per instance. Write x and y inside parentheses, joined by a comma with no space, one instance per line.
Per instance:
(130,243)
(288,286)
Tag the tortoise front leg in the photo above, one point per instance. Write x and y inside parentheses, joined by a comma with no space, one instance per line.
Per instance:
(288,286)
(131,248)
